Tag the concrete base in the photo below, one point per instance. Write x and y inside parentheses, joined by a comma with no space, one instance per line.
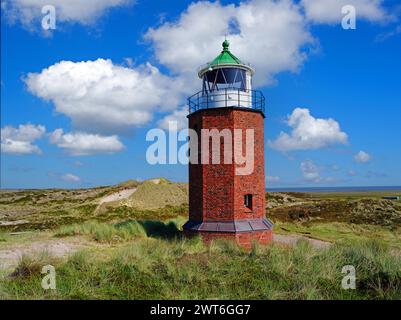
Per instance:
(243,239)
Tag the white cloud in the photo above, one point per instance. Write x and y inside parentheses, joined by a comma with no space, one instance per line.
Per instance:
(100,96)
(178,116)
(310,171)
(19,141)
(269,34)
(68,177)
(28,12)
(308,133)
(362,157)
(329,11)
(351,173)
(81,143)
(273,179)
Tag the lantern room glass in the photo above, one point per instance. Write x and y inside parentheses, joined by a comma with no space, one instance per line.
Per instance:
(224,78)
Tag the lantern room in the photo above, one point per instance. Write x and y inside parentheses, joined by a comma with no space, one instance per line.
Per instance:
(226,82)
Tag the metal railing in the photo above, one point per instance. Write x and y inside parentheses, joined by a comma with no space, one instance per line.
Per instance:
(228,97)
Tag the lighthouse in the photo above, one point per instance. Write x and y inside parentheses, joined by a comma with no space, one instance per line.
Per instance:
(226,169)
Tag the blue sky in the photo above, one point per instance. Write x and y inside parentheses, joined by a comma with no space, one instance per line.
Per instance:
(77,101)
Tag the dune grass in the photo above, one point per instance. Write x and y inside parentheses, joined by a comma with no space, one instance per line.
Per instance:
(339,231)
(123,231)
(3,236)
(147,258)
(151,268)
(155,195)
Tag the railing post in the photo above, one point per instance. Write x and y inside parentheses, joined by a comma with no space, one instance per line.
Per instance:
(238,99)
(225,95)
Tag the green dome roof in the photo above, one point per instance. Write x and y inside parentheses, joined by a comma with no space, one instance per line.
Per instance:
(223,59)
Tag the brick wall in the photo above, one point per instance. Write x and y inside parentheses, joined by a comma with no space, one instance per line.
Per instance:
(215,191)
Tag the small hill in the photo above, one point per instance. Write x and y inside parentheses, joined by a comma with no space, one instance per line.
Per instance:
(157,193)
(303,207)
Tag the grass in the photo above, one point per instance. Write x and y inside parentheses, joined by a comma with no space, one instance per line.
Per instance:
(123,212)
(139,253)
(339,231)
(123,231)
(355,194)
(3,236)
(152,268)
(151,195)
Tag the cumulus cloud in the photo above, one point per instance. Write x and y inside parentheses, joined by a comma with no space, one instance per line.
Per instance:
(362,157)
(28,12)
(100,96)
(329,11)
(19,141)
(310,171)
(271,35)
(69,177)
(308,133)
(178,117)
(82,144)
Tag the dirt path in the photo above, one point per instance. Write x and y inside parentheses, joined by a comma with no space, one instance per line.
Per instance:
(292,239)
(120,195)
(10,256)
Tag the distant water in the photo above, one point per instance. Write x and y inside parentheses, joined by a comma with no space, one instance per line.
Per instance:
(334,189)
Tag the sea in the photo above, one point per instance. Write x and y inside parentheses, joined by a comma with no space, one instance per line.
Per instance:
(334,189)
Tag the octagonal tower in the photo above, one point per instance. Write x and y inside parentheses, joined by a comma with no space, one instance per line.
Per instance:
(227,191)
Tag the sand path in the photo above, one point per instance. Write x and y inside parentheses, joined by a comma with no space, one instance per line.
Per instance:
(292,239)
(119,195)
(60,248)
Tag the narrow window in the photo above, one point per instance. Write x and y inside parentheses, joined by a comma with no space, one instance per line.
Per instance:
(248,201)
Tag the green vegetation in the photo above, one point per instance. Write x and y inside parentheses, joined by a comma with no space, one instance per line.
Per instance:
(122,231)
(186,269)
(136,249)
(157,193)
(3,236)
(333,218)
(125,212)
(341,232)
(25,210)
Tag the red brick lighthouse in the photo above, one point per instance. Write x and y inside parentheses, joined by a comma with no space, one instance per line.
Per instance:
(226,170)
